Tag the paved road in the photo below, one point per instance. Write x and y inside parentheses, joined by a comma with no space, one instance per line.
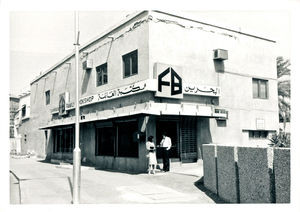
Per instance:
(45,183)
(14,190)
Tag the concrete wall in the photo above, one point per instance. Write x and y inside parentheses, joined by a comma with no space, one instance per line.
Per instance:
(254,175)
(247,174)
(228,184)
(190,45)
(282,172)
(203,135)
(210,167)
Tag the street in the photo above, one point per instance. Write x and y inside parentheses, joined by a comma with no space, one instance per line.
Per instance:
(39,182)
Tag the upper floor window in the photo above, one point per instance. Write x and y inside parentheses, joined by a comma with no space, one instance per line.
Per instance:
(47,95)
(260,88)
(130,64)
(101,72)
(23,110)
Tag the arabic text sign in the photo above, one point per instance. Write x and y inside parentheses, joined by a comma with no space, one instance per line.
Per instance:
(118,92)
(202,90)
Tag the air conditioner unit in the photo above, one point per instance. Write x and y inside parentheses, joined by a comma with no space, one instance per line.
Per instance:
(220,54)
(87,64)
(220,114)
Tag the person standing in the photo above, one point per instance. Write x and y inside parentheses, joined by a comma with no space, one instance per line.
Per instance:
(150,146)
(166,144)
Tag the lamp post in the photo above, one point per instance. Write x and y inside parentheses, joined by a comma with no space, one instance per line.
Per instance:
(77,151)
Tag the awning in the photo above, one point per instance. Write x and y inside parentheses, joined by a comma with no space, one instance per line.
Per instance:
(150,108)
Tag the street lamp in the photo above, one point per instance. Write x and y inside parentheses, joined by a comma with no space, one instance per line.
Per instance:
(77,151)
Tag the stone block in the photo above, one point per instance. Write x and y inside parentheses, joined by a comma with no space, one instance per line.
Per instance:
(254,175)
(282,174)
(228,188)
(210,167)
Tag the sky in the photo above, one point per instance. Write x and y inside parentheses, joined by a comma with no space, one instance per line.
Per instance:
(39,39)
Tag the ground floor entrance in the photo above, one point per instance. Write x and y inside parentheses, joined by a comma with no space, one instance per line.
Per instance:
(121,143)
(183,134)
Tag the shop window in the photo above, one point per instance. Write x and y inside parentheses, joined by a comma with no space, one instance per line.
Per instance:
(63,140)
(260,88)
(127,144)
(23,110)
(101,72)
(258,134)
(47,95)
(130,64)
(105,141)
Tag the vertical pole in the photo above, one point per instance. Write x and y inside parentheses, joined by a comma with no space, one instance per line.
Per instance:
(77,151)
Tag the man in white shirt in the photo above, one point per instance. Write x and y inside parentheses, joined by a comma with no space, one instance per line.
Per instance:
(166,143)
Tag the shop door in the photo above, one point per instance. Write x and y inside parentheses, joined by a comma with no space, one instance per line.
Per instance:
(188,140)
(171,129)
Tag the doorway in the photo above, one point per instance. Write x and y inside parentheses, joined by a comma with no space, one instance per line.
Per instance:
(171,128)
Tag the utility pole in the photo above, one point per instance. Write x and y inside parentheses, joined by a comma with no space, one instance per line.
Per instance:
(77,151)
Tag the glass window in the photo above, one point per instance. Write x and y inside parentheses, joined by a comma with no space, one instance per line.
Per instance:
(63,140)
(130,63)
(127,146)
(255,88)
(263,89)
(47,95)
(258,134)
(105,141)
(23,110)
(101,72)
(260,88)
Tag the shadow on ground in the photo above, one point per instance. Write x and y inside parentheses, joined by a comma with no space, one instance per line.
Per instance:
(86,164)
(200,185)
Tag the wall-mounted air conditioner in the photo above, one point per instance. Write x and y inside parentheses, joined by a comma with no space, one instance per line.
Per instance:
(220,54)
(87,64)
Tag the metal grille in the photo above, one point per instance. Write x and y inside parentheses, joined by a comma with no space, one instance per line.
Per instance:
(189,140)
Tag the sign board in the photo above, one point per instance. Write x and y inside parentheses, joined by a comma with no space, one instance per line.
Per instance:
(169,81)
(127,90)
(62,104)
(201,90)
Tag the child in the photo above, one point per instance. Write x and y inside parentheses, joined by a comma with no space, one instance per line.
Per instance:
(151,155)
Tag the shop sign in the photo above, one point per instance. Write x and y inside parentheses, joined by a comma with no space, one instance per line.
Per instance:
(202,90)
(119,92)
(169,81)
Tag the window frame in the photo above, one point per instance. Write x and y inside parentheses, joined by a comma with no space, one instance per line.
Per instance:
(99,69)
(48,100)
(63,140)
(23,111)
(130,55)
(260,134)
(98,143)
(129,127)
(259,89)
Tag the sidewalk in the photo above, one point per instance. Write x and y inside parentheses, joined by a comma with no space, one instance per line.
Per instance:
(45,183)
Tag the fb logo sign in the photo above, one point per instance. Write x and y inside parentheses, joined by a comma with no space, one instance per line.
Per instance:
(169,84)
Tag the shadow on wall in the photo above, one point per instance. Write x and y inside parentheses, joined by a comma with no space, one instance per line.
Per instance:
(219,65)
(49,145)
(205,134)
(85,81)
